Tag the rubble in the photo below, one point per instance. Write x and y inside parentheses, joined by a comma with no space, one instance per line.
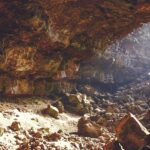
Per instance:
(53,137)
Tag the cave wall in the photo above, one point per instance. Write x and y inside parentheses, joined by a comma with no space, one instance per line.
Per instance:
(43,42)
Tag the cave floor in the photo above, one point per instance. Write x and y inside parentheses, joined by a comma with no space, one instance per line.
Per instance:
(34,126)
(34,129)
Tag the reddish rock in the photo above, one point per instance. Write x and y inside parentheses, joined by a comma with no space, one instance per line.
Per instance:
(15,126)
(131,133)
(36,134)
(53,137)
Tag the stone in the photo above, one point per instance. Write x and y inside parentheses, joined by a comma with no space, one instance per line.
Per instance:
(75,99)
(131,133)
(79,103)
(97,110)
(53,137)
(36,134)
(88,128)
(2,130)
(15,126)
(59,105)
(51,110)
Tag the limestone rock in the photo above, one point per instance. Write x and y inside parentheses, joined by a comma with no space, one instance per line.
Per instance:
(88,128)
(79,103)
(75,99)
(59,105)
(131,133)
(51,110)
(19,60)
(15,126)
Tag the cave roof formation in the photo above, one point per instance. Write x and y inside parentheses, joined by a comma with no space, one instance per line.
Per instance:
(40,38)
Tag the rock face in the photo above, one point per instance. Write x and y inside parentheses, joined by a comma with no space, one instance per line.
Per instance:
(123,62)
(45,44)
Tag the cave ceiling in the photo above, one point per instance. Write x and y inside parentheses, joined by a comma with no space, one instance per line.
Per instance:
(40,38)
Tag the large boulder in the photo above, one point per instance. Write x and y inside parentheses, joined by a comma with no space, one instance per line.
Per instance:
(131,133)
(88,128)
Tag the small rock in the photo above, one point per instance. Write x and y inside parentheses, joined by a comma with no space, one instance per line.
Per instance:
(53,137)
(59,105)
(97,110)
(2,130)
(114,145)
(79,103)
(15,126)
(36,134)
(52,111)
(24,145)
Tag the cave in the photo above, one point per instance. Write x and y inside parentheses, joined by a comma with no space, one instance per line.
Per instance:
(70,70)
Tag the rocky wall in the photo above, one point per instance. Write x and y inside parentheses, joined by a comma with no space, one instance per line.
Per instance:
(44,41)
